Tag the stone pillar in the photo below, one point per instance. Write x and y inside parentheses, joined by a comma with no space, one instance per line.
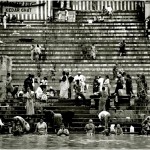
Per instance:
(147,9)
(68,4)
(62,4)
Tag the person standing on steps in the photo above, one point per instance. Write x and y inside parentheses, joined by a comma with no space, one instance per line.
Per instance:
(9,87)
(109,10)
(70,79)
(115,71)
(66,15)
(84,52)
(64,86)
(30,96)
(122,48)
(5,20)
(93,51)
(129,87)
(103,99)
(107,85)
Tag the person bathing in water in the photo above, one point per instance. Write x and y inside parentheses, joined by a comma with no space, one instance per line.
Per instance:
(90,128)
(63,131)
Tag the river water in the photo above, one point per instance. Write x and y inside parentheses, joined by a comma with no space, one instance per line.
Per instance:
(74,141)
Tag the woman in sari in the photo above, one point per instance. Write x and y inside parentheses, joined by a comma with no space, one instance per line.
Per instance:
(64,85)
(30,102)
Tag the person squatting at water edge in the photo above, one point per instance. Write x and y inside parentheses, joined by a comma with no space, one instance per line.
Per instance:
(41,127)
(63,131)
(104,117)
(90,128)
(20,126)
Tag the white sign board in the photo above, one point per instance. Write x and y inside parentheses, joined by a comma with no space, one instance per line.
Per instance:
(20,10)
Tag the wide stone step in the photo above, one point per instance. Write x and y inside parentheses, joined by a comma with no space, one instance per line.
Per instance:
(101,52)
(74,25)
(71,30)
(77,33)
(69,47)
(72,36)
(78,40)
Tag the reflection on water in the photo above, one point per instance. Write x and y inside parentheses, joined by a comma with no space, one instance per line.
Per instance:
(74,141)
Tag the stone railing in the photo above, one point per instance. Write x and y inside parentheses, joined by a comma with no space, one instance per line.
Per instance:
(5,67)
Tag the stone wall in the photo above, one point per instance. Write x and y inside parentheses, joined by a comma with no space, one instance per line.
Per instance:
(5,67)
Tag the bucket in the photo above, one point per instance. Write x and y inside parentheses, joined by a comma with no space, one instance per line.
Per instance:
(131,129)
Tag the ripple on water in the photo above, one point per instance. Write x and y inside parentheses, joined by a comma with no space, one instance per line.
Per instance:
(31,141)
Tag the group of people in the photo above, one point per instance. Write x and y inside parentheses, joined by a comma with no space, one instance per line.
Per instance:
(66,15)
(7,19)
(123,81)
(34,89)
(79,86)
(104,117)
(90,52)
(20,126)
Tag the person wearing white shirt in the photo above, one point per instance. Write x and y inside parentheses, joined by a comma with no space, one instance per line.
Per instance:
(5,20)
(39,93)
(104,117)
(109,10)
(66,15)
(106,84)
(100,81)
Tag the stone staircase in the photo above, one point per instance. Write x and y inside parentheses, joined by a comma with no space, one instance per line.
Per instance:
(62,45)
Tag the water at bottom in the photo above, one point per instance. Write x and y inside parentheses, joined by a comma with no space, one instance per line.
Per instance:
(74,141)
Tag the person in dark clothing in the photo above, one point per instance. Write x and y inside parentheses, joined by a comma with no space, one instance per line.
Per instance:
(96,93)
(119,84)
(140,13)
(129,88)
(122,50)
(144,82)
(115,71)
(49,117)
(79,97)
(84,52)
(96,85)
(70,79)
(67,118)
(14,19)
(28,83)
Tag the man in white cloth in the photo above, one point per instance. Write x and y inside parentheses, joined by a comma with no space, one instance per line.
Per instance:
(104,117)
(100,81)
(109,10)
(81,79)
